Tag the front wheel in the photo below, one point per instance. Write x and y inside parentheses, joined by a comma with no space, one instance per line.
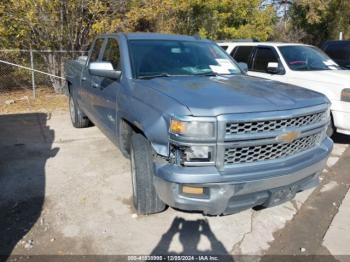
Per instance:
(79,120)
(145,198)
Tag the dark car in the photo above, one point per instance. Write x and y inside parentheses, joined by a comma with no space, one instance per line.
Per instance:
(339,51)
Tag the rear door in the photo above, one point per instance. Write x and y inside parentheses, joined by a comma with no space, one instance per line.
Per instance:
(87,93)
(242,54)
(106,90)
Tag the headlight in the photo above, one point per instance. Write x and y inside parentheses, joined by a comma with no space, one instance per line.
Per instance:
(196,129)
(345,95)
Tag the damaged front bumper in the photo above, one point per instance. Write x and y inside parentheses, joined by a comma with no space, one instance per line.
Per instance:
(230,191)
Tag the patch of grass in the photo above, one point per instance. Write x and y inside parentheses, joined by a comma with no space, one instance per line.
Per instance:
(21,101)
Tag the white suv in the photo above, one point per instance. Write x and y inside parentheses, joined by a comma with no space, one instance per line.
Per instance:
(301,65)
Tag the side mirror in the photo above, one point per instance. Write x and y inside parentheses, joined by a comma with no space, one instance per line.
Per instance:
(272,68)
(243,67)
(82,59)
(104,69)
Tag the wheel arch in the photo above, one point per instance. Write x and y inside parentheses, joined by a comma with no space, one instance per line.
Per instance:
(152,134)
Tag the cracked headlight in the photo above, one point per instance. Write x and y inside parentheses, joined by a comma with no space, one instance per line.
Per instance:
(198,154)
(195,155)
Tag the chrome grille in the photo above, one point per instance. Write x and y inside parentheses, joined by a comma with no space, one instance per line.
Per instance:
(240,155)
(241,128)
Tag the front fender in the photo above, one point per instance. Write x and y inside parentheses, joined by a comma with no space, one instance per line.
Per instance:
(151,115)
(152,122)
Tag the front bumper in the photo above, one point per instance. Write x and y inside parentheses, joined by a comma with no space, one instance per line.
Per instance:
(341,116)
(237,189)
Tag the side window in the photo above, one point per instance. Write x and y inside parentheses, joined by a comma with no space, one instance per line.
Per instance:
(224,47)
(112,54)
(242,53)
(96,50)
(263,56)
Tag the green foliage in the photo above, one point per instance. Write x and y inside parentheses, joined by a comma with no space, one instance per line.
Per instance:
(52,24)
(212,19)
(321,19)
(65,24)
(71,25)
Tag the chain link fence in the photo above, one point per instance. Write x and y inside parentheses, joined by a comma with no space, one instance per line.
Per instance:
(32,69)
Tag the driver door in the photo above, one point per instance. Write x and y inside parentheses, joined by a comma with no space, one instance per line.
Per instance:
(106,89)
(261,57)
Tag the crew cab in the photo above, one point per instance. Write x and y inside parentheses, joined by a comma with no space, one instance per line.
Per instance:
(201,135)
(301,65)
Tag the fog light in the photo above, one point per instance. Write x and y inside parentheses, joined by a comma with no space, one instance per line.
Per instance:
(193,190)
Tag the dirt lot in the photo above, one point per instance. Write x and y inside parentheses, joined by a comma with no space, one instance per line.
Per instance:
(21,101)
(68,191)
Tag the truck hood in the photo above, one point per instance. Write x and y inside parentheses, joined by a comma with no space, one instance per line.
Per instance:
(213,96)
(338,78)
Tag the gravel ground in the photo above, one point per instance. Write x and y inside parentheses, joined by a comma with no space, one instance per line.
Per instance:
(67,191)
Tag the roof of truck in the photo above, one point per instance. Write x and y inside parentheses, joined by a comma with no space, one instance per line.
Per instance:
(159,36)
(259,43)
(156,36)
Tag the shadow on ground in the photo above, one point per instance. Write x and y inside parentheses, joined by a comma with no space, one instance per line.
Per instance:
(25,146)
(341,138)
(190,233)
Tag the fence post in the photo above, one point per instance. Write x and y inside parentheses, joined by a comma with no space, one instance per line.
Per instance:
(33,75)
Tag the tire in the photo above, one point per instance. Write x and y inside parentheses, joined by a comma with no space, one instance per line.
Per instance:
(125,132)
(145,198)
(79,120)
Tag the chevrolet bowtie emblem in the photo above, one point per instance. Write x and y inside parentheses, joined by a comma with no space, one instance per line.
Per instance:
(288,137)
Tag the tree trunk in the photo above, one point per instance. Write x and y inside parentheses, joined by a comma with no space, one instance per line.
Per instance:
(54,67)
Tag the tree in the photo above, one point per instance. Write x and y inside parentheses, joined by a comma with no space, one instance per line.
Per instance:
(53,25)
(209,18)
(70,25)
(321,19)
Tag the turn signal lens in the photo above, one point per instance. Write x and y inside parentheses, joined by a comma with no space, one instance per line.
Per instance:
(345,95)
(193,190)
(177,127)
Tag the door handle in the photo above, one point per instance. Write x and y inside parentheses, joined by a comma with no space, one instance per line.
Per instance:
(83,78)
(95,85)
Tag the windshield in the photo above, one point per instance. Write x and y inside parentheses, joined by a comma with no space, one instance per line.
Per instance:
(154,58)
(306,58)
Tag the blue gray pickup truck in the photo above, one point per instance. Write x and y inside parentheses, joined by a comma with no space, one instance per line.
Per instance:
(201,135)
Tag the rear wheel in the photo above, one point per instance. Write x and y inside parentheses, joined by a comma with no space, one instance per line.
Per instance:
(145,198)
(79,120)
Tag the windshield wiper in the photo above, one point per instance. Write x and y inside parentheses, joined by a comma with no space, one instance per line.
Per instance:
(207,74)
(154,76)
(214,74)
